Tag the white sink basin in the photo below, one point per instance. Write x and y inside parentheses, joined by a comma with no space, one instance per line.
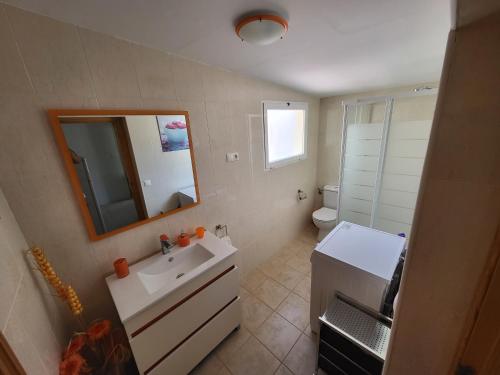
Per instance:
(158,276)
(170,267)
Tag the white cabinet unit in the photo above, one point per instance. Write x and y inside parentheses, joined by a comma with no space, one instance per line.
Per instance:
(171,328)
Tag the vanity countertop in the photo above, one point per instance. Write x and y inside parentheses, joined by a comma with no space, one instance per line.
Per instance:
(131,296)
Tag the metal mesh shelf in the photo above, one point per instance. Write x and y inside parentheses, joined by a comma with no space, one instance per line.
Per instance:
(360,327)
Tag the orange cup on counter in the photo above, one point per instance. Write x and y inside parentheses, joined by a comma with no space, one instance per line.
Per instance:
(121,267)
(183,240)
(200,232)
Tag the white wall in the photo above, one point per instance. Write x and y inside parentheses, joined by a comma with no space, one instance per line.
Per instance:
(168,171)
(28,312)
(49,64)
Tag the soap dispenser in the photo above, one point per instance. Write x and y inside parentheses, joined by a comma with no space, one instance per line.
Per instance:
(183,240)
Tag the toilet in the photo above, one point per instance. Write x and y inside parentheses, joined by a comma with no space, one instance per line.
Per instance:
(325,218)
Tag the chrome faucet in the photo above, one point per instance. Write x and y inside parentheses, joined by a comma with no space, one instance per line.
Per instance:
(166,244)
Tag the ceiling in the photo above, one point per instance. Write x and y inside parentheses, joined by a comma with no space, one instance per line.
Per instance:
(332,47)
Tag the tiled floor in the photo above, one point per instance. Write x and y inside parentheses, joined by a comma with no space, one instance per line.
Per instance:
(275,336)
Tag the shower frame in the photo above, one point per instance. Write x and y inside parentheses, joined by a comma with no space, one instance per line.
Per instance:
(389,105)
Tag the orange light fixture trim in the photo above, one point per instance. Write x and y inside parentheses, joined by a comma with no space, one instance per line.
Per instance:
(262,29)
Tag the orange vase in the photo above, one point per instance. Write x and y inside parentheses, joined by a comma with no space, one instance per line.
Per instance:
(121,267)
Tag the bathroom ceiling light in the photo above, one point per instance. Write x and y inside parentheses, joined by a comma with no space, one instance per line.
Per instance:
(262,29)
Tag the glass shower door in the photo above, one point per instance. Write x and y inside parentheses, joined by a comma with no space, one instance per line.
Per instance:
(406,147)
(362,155)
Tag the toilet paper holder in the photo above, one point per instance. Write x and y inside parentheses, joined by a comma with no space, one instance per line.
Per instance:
(301,195)
(221,228)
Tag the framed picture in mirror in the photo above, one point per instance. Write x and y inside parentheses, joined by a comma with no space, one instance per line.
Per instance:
(127,167)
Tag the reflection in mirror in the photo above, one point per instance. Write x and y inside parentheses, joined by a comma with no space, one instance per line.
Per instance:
(130,168)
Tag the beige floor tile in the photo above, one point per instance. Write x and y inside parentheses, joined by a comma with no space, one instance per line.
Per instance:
(232,343)
(253,280)
(303,244)
(310,241)
(286,252)
(296,310)
(303,288)
(211,365)
(254,313)
(252,359)
(282,370)
(308,331)
(244,293)
(304,254)
(270,266)
(300,264)
(271,293)
(287,276)
(293,247)
(310,235)
(302,358)
(278,335)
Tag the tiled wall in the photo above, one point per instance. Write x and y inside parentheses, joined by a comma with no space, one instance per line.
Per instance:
(27,310)
(49,64)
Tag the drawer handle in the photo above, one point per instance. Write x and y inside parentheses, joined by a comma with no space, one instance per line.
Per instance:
(188,337)
(182,301)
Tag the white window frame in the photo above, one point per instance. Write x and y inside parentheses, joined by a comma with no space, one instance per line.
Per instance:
(284,105)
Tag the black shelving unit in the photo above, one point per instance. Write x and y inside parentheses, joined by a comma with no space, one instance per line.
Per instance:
(353,340)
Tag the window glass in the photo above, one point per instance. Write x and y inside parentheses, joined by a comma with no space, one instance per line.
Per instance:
(285,133)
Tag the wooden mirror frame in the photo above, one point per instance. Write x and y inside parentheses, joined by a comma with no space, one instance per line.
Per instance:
(54,119)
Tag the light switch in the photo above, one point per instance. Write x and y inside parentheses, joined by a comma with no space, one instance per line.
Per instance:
(147,183)
(232,156)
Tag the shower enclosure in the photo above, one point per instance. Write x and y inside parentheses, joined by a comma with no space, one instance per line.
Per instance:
(383,150)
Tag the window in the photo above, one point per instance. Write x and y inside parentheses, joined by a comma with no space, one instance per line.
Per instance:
(285,133)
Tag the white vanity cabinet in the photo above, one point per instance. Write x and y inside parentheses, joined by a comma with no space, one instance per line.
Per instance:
(175,332)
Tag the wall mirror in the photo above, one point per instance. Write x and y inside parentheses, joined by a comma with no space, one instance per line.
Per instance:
(127,167)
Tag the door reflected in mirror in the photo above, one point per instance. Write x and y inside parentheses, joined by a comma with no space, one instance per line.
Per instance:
(127,167)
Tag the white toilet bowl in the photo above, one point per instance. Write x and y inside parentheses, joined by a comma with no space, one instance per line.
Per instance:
(325,220)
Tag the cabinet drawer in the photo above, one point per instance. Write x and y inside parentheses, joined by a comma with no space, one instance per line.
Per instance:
(339,360)
(350,350)
(166,333)
(184,358)
(329,367)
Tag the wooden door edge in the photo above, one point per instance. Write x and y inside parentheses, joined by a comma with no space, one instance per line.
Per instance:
(9,364)
(492,262)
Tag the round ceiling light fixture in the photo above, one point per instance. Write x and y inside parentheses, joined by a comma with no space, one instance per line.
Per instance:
(262,29)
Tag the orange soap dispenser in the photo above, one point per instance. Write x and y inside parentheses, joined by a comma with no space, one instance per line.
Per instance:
(184,239)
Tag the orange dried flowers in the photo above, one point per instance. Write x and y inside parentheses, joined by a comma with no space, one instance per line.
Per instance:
(73,365)
(99,329)
(75,345)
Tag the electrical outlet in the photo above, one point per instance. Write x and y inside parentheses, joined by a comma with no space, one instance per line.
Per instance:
(232,156)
